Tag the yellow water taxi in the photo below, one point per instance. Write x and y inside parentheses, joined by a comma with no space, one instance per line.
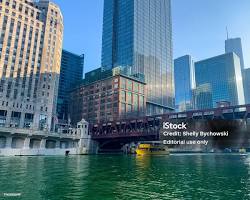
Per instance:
(151,149)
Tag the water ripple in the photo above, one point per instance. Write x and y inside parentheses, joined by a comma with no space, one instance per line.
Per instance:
(127,177)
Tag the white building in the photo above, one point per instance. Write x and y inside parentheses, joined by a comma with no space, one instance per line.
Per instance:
(31,36)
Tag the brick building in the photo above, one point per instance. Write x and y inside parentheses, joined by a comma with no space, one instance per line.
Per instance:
(108,95)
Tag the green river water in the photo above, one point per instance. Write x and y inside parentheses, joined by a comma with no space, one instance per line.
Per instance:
(107,177)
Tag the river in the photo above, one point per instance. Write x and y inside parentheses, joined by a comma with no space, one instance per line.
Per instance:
(107,177)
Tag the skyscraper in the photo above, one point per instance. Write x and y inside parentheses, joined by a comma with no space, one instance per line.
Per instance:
(184,82)
(139,34)
(202,97)
(222,77)
(71,73)
(30,55)
(247,85)
(234,45)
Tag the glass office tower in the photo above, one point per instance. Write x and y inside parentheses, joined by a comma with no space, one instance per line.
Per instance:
(222,74)
(71,73)
(234,45)
(247,85)
(139,34)
(184,82)
(202,97)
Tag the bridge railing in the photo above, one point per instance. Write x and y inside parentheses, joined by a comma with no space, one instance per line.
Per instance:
(30,132)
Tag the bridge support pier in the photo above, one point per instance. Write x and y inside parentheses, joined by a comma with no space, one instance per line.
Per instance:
(43,143)
(86,144)
(26,143)
(8,142)
(129,148)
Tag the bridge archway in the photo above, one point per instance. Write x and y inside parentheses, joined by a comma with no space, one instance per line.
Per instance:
(111,144)
(64,144)
(17,143)
(50,144)
(117,143)
(35,143)
(2,142)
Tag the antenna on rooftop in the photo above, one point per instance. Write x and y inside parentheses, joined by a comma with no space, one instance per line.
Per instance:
(227,32)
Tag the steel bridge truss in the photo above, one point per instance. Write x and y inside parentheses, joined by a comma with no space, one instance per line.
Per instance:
(149,126)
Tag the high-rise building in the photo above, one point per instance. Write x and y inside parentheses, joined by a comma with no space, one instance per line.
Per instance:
(108,96)
(247,85)
(31,35)
(223,79)
(138,33)
(71,73)
(184,82)
(234,45)
(202,97)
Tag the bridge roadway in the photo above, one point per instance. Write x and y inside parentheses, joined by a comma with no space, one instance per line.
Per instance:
(148,127)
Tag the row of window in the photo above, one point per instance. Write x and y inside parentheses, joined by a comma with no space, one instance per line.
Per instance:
(132,98)
(129,108)
(3,113)
(16,119)
(22,60)
(22,8)
(18,105)
(131,85)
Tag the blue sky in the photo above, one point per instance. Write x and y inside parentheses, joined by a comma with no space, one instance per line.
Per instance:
(199,27)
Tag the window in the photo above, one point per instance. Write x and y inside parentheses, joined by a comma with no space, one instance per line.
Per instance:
(141,101)
(20,8)
(123,108)
(129,98)
(141,88)
(123,96)
(42,122)
(135,99)
(16,115)
(136,87)
(123,83)
(29,116)
(129,85)
(129,108)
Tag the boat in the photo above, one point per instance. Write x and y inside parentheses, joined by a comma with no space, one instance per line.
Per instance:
(151,149)
(242,150)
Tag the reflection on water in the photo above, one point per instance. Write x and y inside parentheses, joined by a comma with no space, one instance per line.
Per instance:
(127,177)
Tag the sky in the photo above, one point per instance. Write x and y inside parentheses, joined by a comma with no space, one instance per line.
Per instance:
(199,27)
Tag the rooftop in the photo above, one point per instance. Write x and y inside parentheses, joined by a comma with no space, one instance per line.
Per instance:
(100,74)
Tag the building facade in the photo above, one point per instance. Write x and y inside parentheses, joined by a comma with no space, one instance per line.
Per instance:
(108,96)
(234,45)
(139,34)
(222,76)
(202,97)
(247,85)
(71,73)
(31,36)
(184,83)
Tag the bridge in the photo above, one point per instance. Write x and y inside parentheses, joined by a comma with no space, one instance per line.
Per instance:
(21,142)
(148,127)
